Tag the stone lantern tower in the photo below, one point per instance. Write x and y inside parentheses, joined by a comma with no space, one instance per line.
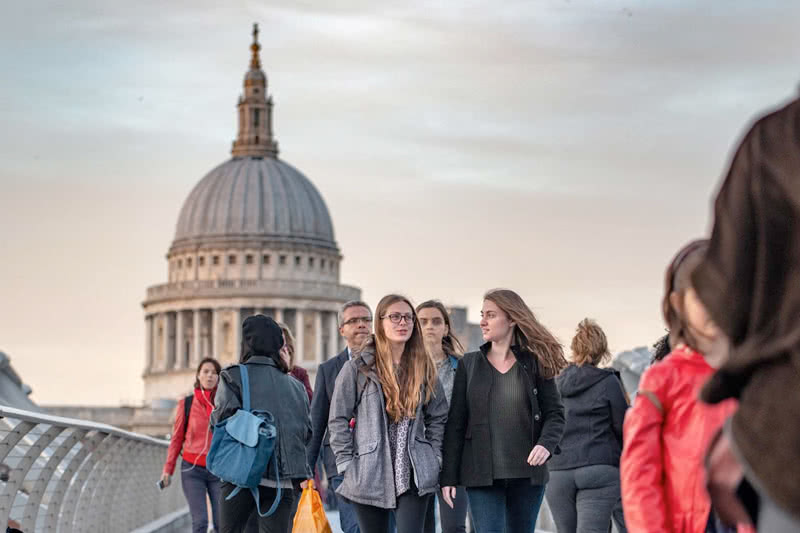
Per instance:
(253,236)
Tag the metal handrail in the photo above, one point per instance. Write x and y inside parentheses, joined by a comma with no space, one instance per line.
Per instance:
(63,474)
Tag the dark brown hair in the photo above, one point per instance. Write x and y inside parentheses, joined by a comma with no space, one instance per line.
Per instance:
(529,333)
(217,368)
(589,345)
(677,280)
(450,343)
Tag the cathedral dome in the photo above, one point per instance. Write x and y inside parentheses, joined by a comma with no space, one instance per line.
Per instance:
(254,198)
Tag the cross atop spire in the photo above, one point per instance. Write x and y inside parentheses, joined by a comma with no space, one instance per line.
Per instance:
(255,61)
(255,137)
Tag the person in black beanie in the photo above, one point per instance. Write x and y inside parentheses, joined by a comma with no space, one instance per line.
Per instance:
(271,389)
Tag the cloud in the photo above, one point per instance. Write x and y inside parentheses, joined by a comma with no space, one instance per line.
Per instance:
(563,148)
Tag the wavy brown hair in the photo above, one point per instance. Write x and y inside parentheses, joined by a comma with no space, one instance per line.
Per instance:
(589,345)
(450,343)
(416,373)
(529,333)
(678,279)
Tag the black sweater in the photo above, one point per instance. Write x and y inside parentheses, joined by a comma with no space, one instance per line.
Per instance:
(467,449)
(595,406)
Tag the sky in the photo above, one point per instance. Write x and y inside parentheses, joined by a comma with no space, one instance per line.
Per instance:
(562,148)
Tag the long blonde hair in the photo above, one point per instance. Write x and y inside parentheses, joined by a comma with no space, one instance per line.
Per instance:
(402,389)
(529,333)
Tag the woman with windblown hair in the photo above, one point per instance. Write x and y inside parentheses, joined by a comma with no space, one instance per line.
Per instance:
(386,423)
(506,418)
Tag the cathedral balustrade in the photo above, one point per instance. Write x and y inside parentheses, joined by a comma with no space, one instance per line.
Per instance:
(63,474)
(252,287)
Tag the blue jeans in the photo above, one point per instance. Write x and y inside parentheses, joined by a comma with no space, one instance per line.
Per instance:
(197,482)
(347,515)
(508,505)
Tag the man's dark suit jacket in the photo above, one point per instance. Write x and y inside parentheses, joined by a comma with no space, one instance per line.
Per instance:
(320,406)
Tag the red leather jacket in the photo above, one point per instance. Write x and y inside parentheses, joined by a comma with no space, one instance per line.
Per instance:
(194,438)
(665,438)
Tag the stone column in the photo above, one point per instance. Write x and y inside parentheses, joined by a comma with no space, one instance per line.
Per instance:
(279,315)
(215,336)
(299,336)
(148,324)
(165,340)
(180,342)
(318,336)
(171,333)
(196,354)
(333,344)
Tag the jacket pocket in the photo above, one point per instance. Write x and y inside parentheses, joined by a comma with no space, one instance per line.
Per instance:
(427,465)
(363,476)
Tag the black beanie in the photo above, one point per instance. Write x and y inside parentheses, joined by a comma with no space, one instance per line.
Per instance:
(261,335)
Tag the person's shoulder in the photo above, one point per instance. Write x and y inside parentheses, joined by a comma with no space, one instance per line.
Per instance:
(659,376)
(300,372)
(331,363)
(470,356)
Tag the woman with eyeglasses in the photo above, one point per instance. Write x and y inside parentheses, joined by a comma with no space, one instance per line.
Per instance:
(506,418)
(386,423)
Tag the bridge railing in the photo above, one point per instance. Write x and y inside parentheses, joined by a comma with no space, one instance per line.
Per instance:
(61,474)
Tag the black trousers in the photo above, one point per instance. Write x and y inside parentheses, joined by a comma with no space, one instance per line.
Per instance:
(235,512)
(409,514)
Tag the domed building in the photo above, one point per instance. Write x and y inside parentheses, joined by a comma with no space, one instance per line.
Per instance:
(253,236)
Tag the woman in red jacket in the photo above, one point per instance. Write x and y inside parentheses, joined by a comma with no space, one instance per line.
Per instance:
(192,436)
(668,429)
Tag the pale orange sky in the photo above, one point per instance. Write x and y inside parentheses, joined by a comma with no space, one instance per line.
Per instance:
(564,149)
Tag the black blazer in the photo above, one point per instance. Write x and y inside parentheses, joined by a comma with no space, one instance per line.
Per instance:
(320,406)
(467,450)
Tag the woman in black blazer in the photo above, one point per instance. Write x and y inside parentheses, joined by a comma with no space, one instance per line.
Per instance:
(506,418)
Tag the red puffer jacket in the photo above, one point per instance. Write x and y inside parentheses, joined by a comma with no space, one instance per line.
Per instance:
(665,438)
(193,438)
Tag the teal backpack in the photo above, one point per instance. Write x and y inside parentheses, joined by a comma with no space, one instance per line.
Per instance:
(242,446)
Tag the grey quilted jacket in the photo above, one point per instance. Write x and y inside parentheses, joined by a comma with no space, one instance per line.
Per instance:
(363,454)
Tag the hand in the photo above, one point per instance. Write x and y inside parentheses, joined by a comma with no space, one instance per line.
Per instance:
(449,495)
(538,455)
(304,484)
(165,479)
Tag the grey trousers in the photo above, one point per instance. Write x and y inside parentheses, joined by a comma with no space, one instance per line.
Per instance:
(583,499)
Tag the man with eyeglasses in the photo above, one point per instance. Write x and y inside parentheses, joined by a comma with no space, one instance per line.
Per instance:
(355,325)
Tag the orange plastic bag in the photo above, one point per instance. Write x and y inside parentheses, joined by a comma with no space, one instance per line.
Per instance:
(310,517)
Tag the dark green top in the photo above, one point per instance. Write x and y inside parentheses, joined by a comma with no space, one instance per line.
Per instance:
(510,424)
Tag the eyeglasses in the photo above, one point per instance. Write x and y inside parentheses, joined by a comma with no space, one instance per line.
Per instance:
(358,320)
(396,318)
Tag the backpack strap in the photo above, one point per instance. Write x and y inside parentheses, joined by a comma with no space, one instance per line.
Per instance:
(453,361)
(187,410)
(245,388)
(277,499)
(361,386)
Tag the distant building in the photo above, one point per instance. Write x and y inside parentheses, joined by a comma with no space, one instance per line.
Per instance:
(13,392)
(253,236)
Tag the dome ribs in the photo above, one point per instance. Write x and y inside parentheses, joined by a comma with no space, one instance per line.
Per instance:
(235,205)
(254,199)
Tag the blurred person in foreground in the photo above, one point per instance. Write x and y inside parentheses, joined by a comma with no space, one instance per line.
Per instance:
(750,282)
(668,429)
